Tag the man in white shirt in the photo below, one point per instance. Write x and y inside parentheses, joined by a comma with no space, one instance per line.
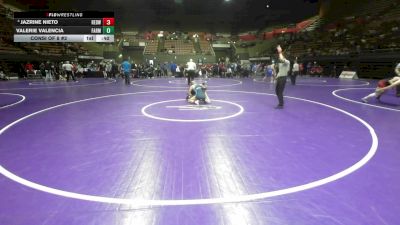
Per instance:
(295,72)
(67,67)
(191,70)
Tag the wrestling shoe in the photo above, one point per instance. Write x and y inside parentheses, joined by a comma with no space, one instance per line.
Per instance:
(365,100)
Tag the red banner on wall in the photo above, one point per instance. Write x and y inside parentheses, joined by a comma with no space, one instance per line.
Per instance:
(248,37)
(268,35)
(286,30)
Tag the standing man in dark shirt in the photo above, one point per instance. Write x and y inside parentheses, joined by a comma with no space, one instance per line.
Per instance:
(173,69)
(284,67)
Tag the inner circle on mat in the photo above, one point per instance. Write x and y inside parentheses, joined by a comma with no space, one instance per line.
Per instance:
(150,147)
(388,102)
(178,110)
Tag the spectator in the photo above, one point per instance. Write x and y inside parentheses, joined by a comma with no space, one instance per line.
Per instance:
(126,69)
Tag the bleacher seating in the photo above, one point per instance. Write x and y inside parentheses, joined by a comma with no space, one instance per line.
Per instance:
(134,39)
(373,28)
(179,47)
(373,7)
(9,48)
(6,32)
(3,10)
(151,47)
(54,49)
(205,47)
(393,14)
(314,24)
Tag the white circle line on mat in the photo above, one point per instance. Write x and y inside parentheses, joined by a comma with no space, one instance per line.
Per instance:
(334,93)
(205,201)
(15,103)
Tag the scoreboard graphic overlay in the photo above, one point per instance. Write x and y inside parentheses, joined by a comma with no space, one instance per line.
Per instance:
(64,26)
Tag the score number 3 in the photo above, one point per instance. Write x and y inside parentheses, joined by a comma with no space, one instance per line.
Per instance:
(108,21)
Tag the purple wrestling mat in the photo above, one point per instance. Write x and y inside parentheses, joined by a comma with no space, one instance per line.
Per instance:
(100,152)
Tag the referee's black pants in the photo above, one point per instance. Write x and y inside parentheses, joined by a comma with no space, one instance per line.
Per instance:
(70,73)
(190,76)
(293,77)
(280,86)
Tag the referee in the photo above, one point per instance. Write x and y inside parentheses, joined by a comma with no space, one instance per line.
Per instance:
(67,67)
(284,67)
(191,70)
